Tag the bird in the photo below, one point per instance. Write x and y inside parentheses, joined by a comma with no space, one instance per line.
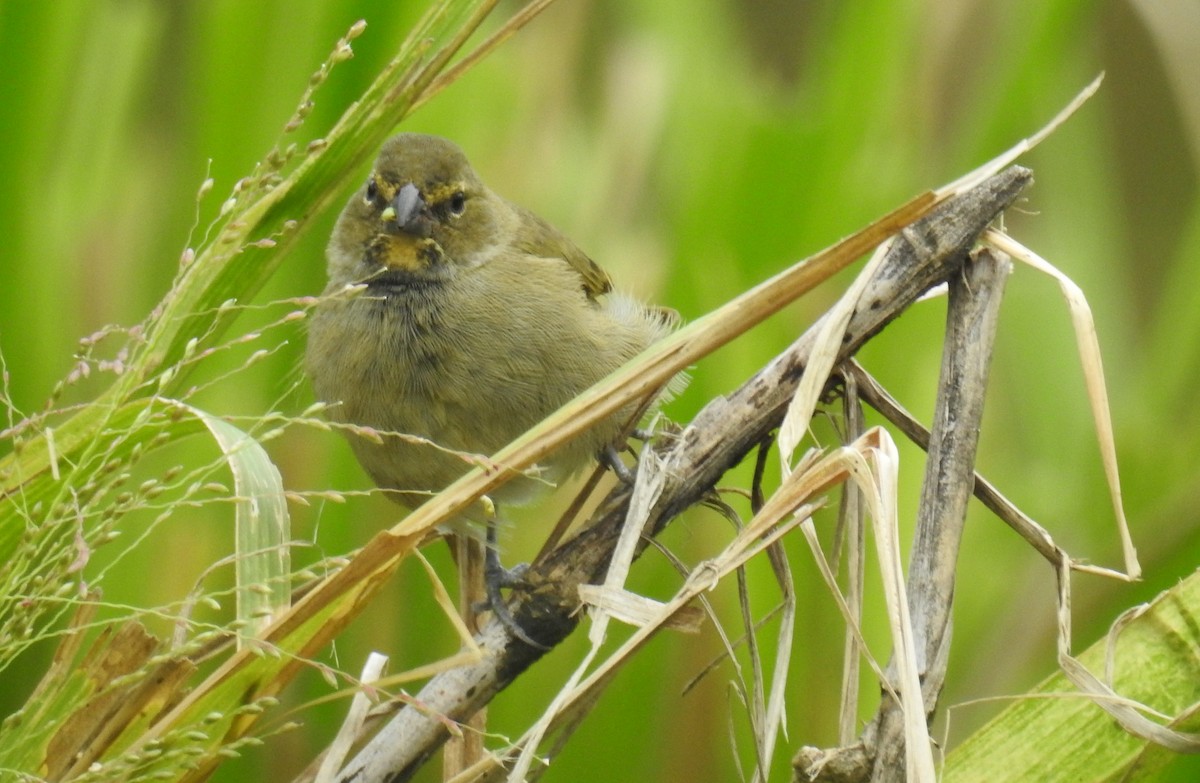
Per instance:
(453,321)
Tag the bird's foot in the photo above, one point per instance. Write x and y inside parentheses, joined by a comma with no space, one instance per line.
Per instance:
(496,578)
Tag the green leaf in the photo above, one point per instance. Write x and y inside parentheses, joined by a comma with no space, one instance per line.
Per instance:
(263,524)
(1057,734)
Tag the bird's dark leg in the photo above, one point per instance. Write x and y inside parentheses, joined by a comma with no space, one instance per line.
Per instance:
(496,578)
(611,459)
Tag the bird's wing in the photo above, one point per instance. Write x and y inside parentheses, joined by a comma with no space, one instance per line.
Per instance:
(539,238)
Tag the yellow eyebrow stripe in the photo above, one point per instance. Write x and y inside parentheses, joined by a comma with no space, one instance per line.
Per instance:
(440,193)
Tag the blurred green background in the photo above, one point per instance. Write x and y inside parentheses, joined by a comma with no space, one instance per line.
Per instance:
(693,147)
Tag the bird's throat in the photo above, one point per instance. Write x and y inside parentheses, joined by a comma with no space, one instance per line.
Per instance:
(404,254)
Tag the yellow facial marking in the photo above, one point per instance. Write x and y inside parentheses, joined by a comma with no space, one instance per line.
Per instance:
(404,253)
(443,192)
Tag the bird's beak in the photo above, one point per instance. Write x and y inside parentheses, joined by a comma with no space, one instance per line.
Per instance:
(407,211)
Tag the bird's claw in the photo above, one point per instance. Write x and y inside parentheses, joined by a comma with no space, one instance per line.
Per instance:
(496,578)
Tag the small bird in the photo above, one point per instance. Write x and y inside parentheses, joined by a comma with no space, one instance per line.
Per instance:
(455,320)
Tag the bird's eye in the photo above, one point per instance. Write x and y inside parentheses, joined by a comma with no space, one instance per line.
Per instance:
(372,193)
(458,203)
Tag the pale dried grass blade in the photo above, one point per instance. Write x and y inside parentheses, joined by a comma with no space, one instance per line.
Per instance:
(649,485)
(821,361)
(777,697)
(753,698)
(989,169)
(1110,654)
(854,628)
(766,706)
(571,692)
(1128,715)
(877,476)
(1093,374)
(637,610)
(356,716)
(446,604)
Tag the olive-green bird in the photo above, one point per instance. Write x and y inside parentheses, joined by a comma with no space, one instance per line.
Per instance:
(473,319)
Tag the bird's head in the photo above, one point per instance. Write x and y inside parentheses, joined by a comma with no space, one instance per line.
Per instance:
(421,212)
